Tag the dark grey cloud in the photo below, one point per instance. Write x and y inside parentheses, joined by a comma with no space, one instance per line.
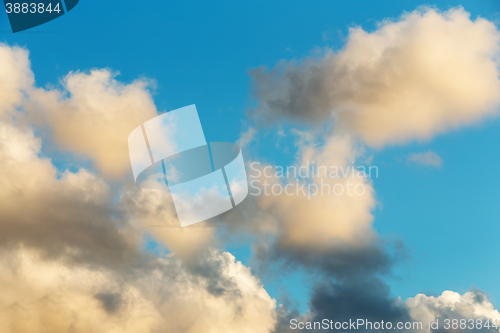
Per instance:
(111,302)
(340,262)
(366,298)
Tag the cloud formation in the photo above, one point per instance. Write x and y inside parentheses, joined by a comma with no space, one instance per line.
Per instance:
(451,305)
(72,251)
(63,215)
(413,78)
(71,260)
(370,301)
(219,296)
(93,114)
(323,222)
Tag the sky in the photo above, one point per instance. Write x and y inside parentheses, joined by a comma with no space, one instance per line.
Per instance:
(407,86)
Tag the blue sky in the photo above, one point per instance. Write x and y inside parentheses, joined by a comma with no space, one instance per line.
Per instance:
(200,53)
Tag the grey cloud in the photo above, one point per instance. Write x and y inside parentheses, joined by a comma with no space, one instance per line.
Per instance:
(111,302)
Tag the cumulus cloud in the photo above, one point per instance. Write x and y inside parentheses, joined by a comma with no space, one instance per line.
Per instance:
(370,300)
(451,305)
(323,221)
(61,214)
(72,256)
(335,214)
(220,296)
(92,115)
(428,158)
(76,213)
(424,74)
(71,260)
(70,245)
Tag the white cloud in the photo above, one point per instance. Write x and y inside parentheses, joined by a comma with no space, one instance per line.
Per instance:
(93,116)
(318,222)
(332,224)
(451,305)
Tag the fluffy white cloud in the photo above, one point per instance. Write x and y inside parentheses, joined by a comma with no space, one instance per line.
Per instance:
(93,115)
(451,305)
(323,221)
(424,74)
(327,209)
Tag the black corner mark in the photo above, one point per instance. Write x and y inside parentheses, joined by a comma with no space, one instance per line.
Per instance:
(26,14)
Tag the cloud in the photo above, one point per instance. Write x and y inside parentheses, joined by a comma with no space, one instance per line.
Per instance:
(424,74)
(322,223)
(335,214)
(247,137)
(72,256)
(451,305)
(71,252)
(428,158)
(81,116)
(64,215)
(76,215)
(16,78)
(220,296)
(155,211)
(92,115)
(370,300)
(363,298)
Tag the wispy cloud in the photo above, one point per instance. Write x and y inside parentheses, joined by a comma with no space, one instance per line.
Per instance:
(247,137)
(428,158)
